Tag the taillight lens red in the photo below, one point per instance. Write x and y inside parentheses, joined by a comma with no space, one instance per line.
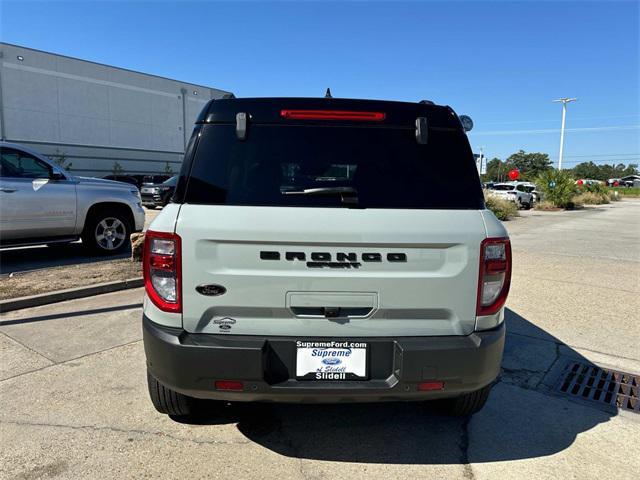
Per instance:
(332,115)
(495,275)
(162,270)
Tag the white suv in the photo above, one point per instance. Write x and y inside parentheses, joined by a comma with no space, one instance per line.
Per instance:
(312,253)
(515,192)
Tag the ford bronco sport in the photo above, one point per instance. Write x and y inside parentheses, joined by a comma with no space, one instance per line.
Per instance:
(313,253)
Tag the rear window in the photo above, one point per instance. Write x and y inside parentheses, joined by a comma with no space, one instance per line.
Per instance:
(382,167)
(503,187)
(171,182)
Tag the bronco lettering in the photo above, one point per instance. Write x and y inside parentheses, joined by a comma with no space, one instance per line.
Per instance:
(325,259)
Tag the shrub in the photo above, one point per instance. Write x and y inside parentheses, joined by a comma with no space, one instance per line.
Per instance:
(592,194)
(575,203)
(614,196)
(557,186)
(501,208)
(546,206)
(591,198)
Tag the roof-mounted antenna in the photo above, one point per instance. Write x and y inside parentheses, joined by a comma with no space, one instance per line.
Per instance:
(328,94)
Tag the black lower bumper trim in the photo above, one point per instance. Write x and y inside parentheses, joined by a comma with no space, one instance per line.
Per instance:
(191,363)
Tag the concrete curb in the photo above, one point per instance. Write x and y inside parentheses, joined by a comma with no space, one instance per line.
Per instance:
(69,294)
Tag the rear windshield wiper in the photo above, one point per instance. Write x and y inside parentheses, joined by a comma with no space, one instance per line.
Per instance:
(348,195)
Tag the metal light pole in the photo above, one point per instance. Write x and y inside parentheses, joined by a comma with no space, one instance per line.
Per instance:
(564,115)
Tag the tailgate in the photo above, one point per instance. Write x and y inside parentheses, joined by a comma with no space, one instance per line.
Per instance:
(329,272)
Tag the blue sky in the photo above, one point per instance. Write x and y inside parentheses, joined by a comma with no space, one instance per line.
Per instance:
(500,62)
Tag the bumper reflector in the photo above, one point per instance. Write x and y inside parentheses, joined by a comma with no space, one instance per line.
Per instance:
(430,386)
(228,385)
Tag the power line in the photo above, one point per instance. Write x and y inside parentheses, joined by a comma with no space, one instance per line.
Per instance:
(600,162)
(555,121)
(605,155)
(556,130)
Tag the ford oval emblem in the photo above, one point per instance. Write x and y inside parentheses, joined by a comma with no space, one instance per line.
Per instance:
(211,290)
(331,361)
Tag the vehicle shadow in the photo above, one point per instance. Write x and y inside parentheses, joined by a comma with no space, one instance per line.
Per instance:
(23,259)
(521,419)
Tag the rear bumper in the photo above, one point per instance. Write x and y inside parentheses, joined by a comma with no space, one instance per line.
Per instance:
(190,363)
(155,200)
(152,201)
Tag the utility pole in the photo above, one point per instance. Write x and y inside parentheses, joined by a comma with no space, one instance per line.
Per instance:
(564,115)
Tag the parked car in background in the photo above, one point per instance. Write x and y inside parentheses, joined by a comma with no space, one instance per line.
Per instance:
(589,181)
(532,189)
(158,195)
(155,179)
(130,179)
(40,203)
(514,192)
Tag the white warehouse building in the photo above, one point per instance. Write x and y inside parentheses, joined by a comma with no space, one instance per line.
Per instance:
(96,117)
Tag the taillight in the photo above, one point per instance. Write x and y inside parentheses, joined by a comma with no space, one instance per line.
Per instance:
(332,115)
(495,275)
(162,270)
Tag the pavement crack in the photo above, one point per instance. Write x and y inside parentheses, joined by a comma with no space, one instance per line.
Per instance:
(27,347)
(97,428)
(69,360)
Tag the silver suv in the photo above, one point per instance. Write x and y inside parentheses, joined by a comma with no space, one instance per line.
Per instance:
(40,203)
(313,253)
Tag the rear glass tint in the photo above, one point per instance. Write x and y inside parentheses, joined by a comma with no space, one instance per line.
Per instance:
(386,167)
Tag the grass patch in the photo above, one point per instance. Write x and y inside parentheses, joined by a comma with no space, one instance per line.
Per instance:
(627,192)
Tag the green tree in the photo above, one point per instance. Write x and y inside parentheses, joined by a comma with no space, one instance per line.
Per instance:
(496,171)
(632,169)
(588,170)
(60,159)
(603,172)
(530,165)
(117,169)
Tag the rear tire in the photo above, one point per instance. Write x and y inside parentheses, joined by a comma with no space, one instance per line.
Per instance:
(467,404)
(166,400)
(107,231)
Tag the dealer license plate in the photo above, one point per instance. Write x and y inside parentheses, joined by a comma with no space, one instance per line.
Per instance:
(332,360)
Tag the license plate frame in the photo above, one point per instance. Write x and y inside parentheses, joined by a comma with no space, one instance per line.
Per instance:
(331,361)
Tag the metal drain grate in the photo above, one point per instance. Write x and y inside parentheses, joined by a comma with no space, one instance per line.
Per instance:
(601,385)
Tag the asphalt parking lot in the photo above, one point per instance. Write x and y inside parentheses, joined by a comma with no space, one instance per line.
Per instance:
(73,387)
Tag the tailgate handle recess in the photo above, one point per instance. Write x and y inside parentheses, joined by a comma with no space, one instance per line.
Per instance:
(331,312)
